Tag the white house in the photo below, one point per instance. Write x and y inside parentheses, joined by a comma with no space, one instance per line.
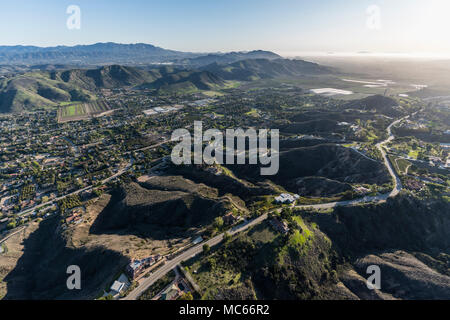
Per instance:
(286,198)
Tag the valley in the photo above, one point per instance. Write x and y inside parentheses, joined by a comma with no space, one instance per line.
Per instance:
(87,179)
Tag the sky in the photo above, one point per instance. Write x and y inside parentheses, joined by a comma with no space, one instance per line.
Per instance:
(288,27)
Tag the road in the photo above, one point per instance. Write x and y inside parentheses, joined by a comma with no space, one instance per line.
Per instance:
(118,174)
(149,147)
(145,284)
(170,264)
(397,183)
(12,234)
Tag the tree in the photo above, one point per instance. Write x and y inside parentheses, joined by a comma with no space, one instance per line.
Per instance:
(108,297)
(286,213)
(206,248)
(218,223)
(187,296)
(11,225)
(226,237)
(211,263)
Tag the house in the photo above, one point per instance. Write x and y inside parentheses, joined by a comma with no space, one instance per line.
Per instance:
(72,218)
(117,287)
(137,267)
(177,289)
(286,198)
(172,293)
(413,184)
(230,219)
(280,226)
(362,190)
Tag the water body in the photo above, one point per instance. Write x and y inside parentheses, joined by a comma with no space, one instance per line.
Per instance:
(331,91)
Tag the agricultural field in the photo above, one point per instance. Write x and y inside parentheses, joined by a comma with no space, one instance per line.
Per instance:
(81,111)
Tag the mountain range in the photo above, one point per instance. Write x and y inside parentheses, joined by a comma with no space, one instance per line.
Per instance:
(114,53)
(99,53)
(38,89)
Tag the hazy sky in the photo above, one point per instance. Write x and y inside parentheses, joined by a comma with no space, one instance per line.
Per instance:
(284,26)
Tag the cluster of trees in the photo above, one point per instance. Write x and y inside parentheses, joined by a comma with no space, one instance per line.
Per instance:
(27,192)
(69,203)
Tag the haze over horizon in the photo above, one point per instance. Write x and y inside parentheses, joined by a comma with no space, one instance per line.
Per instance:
(287,27)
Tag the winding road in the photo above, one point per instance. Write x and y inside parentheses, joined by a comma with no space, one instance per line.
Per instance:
(158,274)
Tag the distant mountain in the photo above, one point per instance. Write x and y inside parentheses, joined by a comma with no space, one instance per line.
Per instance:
(99,53)
(255,69)
(114,53)
(227,58)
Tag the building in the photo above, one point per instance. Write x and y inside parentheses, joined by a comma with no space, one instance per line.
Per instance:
(230,219)
(72,218)
(286,198)
(120,285)
(175,290)
(117,287)
(361,190)
(172,293)
(280,226)
(137,267)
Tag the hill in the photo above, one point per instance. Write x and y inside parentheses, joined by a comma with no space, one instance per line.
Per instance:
(378,104)
(326,255)
(162,206)
(42,89)
(158,216)
(326,160)
(105,77)
(185,81)
(52,86)
(227,58)
(255,69)
(29,91)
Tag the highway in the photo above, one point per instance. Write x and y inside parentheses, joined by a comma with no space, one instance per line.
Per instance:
(147,282)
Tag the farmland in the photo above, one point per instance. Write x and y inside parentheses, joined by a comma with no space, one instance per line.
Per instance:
(82,111)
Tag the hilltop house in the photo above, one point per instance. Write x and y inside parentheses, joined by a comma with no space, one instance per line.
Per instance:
(136,267)
(280,226)
(286,198)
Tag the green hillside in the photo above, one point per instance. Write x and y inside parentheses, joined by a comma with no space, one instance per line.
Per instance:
(186,81)
(40,89)
(43,89)
(255,69)
(30,91)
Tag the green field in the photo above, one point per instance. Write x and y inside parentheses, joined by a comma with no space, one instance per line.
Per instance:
(73,110)
(79,111)
(400,165)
